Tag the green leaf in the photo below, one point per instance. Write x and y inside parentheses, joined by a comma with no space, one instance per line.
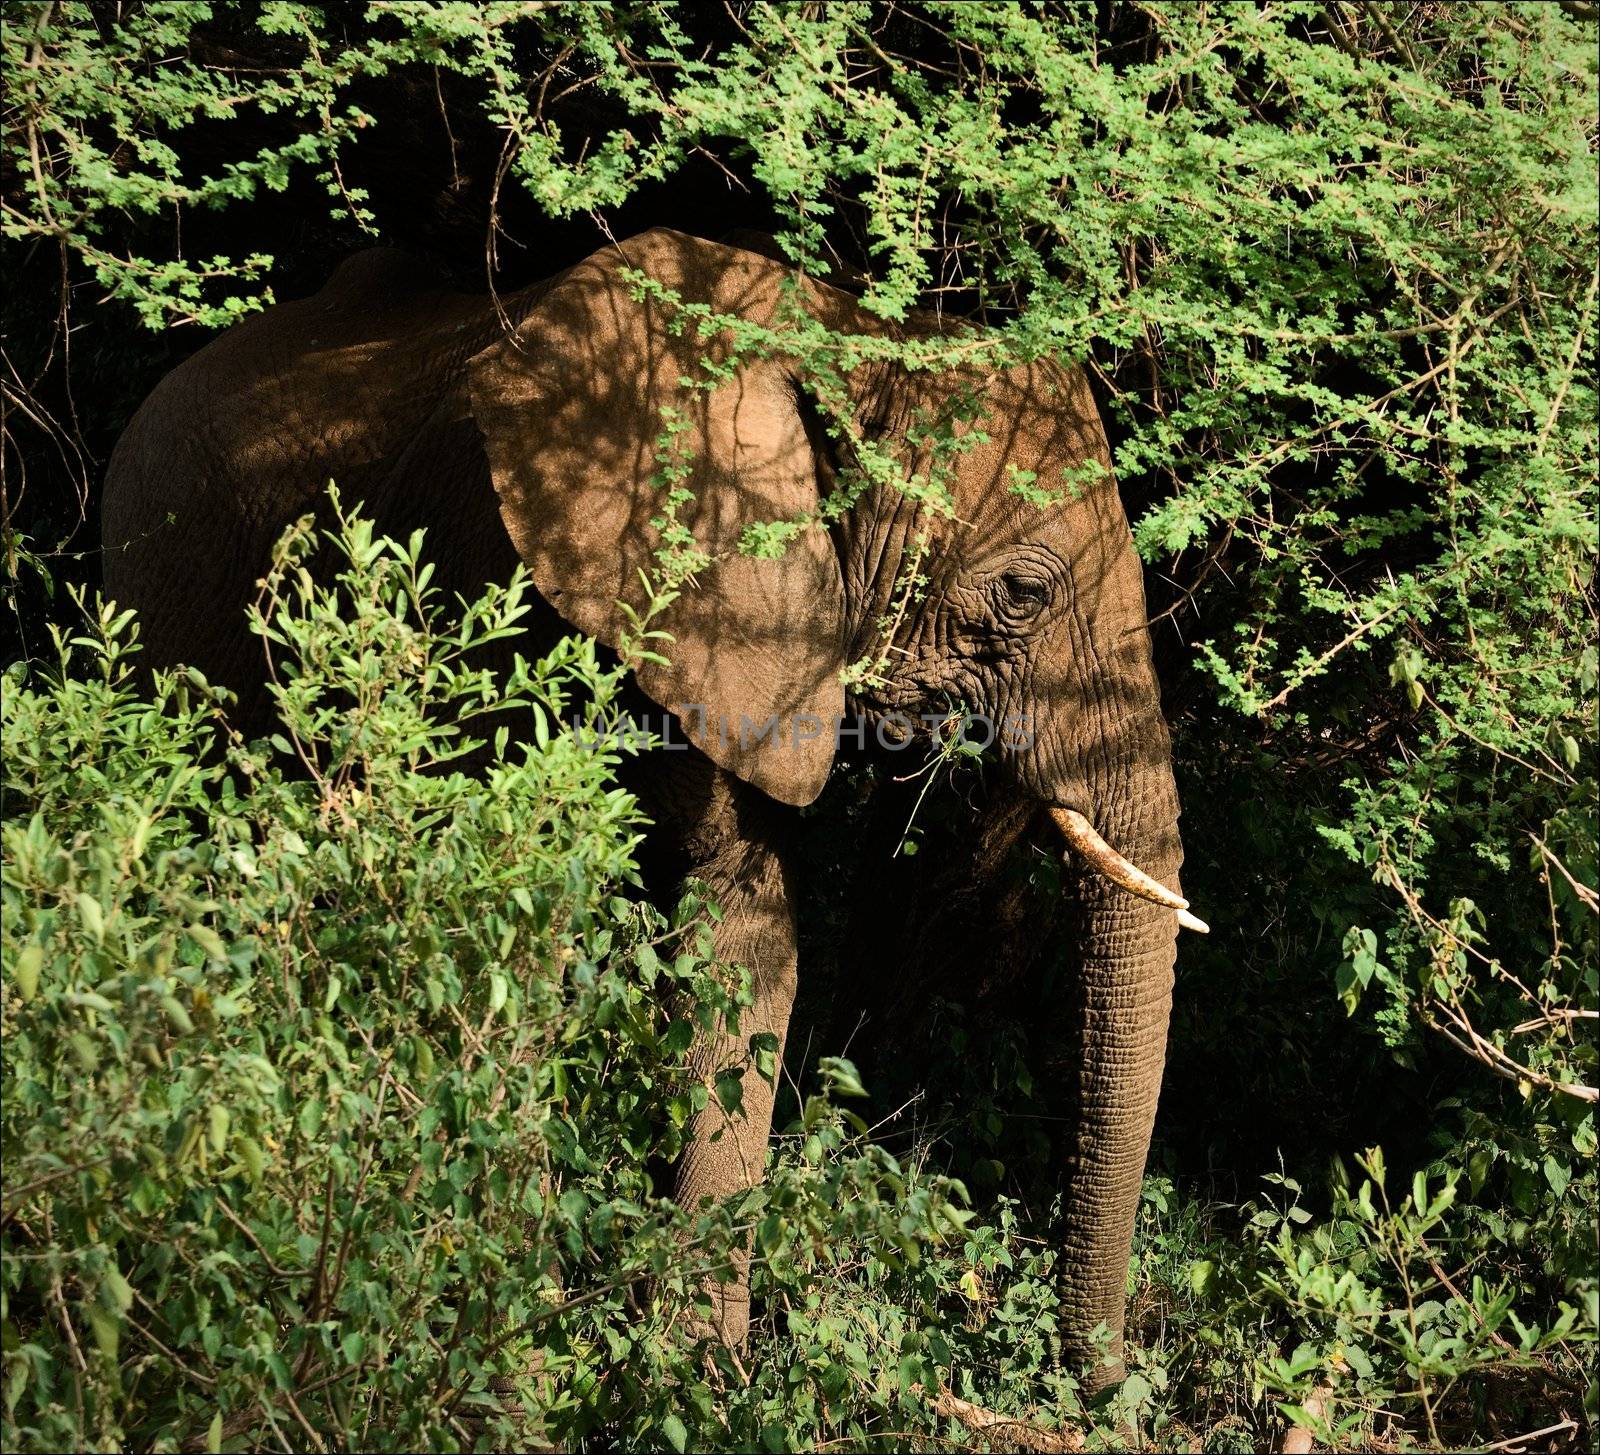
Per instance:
(90,1000)
(92,917)
(209,942)
(84,1050)
(730,1091)
(106,1327)
(118,1291)
(840,1076)
(254,1159)
(26,971)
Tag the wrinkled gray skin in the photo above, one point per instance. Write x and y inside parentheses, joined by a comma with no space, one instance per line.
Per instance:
(540,444)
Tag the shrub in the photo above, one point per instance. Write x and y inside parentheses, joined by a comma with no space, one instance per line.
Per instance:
(331,1094)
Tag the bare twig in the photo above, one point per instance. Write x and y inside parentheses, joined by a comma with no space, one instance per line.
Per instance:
(1553,1017)
(1518,1443)
(986,1422)
(188,1370)
(19,1193)
(1462,1299)
(1466,1038)
(66,1325)
(1572,364)
(1315,667)
(1460,1031)
(1585,894)
(255,1243)
(1390,34)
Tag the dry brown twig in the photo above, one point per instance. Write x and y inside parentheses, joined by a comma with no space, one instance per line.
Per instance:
(1586,895)
(986,1422)
(1519,1443)
(1441,1008)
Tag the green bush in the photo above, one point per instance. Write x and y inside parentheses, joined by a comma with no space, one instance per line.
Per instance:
(331,1094)
(1388,1317)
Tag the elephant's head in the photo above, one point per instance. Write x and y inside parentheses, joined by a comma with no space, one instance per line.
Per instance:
(1033,613)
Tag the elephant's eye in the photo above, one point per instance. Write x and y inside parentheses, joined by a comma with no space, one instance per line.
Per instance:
(1024,594)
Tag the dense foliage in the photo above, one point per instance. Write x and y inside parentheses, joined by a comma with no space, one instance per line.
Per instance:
(331,1096)
(1333,270)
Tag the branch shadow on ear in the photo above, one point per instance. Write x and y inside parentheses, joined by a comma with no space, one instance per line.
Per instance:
(571,409)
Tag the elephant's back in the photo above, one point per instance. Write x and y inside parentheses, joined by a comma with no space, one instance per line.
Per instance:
(241,440)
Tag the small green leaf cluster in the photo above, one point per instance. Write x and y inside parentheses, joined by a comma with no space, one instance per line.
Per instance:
(1361,1316)
(1400,1308)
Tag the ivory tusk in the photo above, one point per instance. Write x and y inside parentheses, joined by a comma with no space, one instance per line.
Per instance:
(1103,859)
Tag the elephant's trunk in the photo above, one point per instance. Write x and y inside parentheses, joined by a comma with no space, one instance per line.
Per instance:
(1113,1056)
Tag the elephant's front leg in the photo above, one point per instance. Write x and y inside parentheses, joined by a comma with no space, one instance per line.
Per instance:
(742,865)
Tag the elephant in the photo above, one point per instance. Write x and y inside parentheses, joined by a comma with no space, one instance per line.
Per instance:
(526,427)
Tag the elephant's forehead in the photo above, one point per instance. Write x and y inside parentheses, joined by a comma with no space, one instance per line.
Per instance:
(1041,427)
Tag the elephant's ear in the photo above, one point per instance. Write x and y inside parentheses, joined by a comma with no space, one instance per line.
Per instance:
(570,407)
